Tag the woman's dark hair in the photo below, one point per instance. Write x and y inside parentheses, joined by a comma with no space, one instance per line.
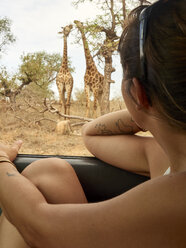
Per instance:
(165,57)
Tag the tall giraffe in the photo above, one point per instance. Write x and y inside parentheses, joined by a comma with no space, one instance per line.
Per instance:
(94,80)
(64,79)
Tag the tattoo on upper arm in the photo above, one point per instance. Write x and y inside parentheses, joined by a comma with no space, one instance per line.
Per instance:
(10,174)
(123,128)
(102,129)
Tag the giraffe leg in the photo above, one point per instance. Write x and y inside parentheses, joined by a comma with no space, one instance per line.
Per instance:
(95,93)
(69,92)
(87,93)
(59,86)
(100,101)
(63,105)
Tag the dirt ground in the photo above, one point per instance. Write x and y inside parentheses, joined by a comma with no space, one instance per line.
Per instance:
(45,142)
(37,128)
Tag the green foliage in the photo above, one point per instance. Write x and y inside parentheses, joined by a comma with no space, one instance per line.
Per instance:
(40,69)
(6,36)
(70,67)
(7,82)
(35,77)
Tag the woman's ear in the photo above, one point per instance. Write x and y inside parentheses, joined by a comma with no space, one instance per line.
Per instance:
(139,94)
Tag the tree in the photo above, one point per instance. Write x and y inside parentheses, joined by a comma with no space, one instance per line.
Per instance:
(103,36)
(6,36)
(39,68)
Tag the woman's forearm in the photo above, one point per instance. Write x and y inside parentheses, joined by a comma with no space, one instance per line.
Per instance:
(19,199)
(115,123)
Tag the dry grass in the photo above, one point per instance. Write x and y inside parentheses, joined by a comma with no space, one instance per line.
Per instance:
(42,138)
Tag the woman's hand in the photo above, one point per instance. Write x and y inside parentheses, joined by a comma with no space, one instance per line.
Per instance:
(10,151)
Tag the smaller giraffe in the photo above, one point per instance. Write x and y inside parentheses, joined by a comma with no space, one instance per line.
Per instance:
(94,80)
(64,79)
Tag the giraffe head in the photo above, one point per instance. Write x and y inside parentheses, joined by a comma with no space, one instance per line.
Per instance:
(79,24)
(66,30)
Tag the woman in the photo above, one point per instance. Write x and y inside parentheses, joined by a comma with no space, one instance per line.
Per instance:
(150,215)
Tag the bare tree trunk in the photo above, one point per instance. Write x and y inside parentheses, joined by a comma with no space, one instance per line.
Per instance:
(12,98)
(105,101)
(124,9)
(107,52)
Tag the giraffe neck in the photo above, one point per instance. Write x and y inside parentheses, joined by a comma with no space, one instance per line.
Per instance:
(88,57)
(65,56)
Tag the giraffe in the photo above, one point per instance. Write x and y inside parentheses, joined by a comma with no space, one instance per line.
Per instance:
(64,79)
(93,79)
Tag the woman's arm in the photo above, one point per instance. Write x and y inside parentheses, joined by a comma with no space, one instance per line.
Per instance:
(119,122)
(20,201)
(112,139)
(19,198)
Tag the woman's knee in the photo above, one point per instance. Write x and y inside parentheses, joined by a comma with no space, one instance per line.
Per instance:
(56,179)
(49,167)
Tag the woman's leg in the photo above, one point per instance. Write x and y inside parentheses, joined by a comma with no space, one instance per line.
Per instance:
(57,181)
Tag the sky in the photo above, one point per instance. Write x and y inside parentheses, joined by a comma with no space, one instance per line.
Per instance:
(36,23)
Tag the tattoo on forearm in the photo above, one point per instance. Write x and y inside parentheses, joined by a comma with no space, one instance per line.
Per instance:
(102,129)
(123,128)
(10,174)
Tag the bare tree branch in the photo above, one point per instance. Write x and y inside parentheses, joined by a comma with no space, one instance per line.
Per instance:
(33,107)
(56,111)
(18,117)
(44,119)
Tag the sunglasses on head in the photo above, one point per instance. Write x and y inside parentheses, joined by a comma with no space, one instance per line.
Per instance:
(143,32)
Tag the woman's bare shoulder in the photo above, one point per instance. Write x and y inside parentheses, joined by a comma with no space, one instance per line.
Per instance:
(155,212)
(149,215)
